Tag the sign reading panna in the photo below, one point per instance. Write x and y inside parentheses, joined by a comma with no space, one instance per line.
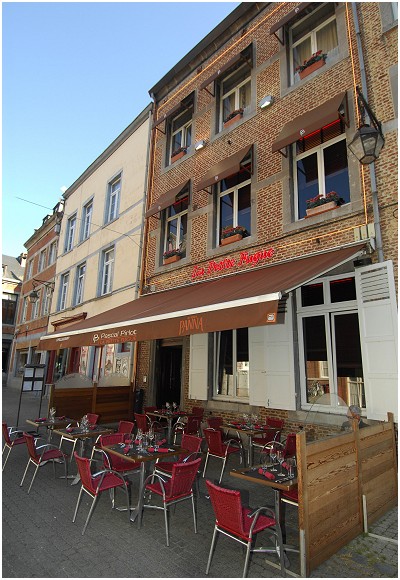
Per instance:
(123,335)
(229,263)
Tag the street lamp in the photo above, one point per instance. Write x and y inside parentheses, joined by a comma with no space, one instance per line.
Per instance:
(34,295)
(368,141)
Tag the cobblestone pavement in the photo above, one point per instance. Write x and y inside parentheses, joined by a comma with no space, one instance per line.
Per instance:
(40,540)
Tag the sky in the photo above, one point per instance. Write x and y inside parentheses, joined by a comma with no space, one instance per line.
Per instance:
(74,76)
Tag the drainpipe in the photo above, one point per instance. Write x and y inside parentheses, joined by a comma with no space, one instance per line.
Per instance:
(375,204)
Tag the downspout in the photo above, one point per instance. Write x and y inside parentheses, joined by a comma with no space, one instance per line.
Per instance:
(374,190)
(143,234)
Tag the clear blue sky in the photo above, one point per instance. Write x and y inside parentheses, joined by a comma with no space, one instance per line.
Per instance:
(75,74)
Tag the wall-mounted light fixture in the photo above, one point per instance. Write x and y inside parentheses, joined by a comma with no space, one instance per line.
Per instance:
(266,102)
(200,145)
(368,141)
(34,295)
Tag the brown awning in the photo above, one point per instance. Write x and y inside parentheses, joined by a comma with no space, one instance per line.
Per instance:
(185,103)
(224,168)
(234,301)
(289,16)
(315,119)
(221,70)
(166,199)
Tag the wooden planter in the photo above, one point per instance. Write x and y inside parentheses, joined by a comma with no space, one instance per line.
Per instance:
(231,239)
(233,120)
(177,156)
(321,208)
(171,260)
(310,69)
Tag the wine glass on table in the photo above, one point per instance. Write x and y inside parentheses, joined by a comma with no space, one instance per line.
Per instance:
(151,437)
(273,455)
(139,437)
(281,458)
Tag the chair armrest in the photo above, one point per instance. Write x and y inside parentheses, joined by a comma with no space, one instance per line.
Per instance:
(105,472)
(152,476)
(192,456)
(257,512)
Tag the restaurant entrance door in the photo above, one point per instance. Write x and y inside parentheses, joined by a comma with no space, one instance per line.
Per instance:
(168,373)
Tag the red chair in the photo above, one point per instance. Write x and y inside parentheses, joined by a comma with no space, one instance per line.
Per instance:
(290,445)
(215,422)
(271,433)
(12,437)
(149,409)
(114,462)
(242,524)
(189,425)
(95,484)
(221,449)
(177,488)
(92,418)
(49,453)
(190,444)
(198,412)
(126,427)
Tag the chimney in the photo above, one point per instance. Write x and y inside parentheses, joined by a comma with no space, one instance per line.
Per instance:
(22,260)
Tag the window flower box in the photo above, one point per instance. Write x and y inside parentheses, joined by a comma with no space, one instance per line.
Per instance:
(316,61)
(177,154)
(233,118)
(320,204)
(171,256)
(230,235)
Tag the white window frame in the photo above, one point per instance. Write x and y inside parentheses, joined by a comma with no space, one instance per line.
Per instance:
(107,271)
(228,397)
(329,310)
(35,305)
(222,194)
(87,220)
(29,269)
(70,234)
(80,283)
(319,149)
(178,218)
(46,301)
(24,309)
(184,129)
(52,253)
(42,260)
(113,198)
(236,92)
(314,47)
(64,283)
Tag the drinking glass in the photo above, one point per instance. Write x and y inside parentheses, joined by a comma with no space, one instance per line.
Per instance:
(139,437)
(151,436)
(281,458)
(265,459)
(273,455)
(291,462)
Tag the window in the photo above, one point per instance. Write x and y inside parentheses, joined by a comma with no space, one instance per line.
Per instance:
(235,93)
(69,237)
(9,306)
(46,302)
(42,260)
(112,208)
(35,306)
(63,291)
(321,166)
(331,363)
(234,200)
(52,253)
(315,32)
(231,364)
(29,270)
(79,283)
(107,271)
(176,224)
(86,220)
(24,309)
(181,132)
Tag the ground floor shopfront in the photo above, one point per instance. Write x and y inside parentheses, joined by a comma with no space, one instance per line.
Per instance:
(298,340)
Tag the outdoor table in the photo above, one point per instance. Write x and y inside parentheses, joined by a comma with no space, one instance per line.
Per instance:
(278,485)
(249,431)
(170,417)
(143,457)
(78,433)
(50,425)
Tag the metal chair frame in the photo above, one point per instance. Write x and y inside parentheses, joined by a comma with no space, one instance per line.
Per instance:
(41,459)
(226,445)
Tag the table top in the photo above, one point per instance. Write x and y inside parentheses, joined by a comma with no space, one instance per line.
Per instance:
(251,474)
(58,422)
(244,429)
(165,415)
(141,456)
(77,432)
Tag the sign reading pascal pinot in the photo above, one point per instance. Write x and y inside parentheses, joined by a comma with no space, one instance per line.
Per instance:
(122,335)
(228,263)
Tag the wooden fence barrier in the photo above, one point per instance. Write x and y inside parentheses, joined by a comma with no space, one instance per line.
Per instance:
(333,475)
